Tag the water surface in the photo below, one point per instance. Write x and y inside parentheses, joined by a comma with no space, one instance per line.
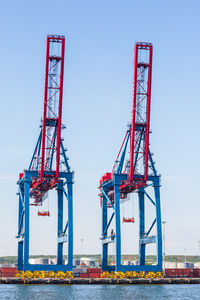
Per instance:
(96,292)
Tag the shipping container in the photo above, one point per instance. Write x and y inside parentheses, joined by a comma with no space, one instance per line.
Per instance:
(83,275)
(9,274)
(90,275)
(93,270)
(94,275)
(186,272)
(8,269)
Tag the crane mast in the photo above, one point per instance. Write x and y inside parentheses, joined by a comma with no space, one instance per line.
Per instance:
(135,165)
(53,94)
(133,171)
(140,124)
(47,156)
(45,172)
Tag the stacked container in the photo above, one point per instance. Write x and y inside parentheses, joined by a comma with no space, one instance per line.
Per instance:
(91,273)
(184,272)
(8,271)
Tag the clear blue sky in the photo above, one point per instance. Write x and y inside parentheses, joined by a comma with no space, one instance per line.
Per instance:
(100,38)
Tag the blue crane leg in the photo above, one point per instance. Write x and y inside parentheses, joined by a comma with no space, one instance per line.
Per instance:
(60,222)
(27,183)
(20,241)
(23,224)
(141,226)
(158,223)
(104,233)
(117,222)
(20,256)
(70,220)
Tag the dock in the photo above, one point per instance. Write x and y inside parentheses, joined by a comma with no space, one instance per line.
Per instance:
(125,281)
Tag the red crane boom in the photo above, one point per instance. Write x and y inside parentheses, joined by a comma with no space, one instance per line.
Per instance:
(48,146)
(141,106)
(53,93)
(136,166)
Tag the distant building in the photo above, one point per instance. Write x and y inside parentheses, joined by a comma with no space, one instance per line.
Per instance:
(178,265)
(130,263)
(89,261)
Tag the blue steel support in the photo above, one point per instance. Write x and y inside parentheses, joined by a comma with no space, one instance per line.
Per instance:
(20,226)
(117,221)
(158,220)
(37,150)
(20,260)
(144,239)
(53,147)
(21,211)
(60,222)
(116,183)
(66,226)
(27,182)
(108,223)
(151,227)
(70,220)
(104,233)
(119,169)
(24,218)
(152,163)
(141,226)
(105,237)
(64,155)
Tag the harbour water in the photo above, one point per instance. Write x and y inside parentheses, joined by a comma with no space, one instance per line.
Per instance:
(96,292)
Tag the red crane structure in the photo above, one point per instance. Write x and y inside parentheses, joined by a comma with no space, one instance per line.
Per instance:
(45,172)
(134,171)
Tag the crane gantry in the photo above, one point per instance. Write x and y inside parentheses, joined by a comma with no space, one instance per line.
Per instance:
(134,171)
(45,172)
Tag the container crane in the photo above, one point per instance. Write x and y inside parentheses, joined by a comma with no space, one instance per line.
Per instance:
(45,172)
(134,171)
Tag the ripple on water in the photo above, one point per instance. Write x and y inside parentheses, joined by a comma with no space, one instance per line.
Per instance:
(105,292)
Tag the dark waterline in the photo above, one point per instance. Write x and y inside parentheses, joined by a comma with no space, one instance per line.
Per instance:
(105,292)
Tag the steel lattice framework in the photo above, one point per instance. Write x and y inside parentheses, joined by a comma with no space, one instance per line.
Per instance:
(44,172)
(134,171)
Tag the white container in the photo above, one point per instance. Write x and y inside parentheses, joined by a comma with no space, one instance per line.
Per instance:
(42,261)
(170,265)
(87,261)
